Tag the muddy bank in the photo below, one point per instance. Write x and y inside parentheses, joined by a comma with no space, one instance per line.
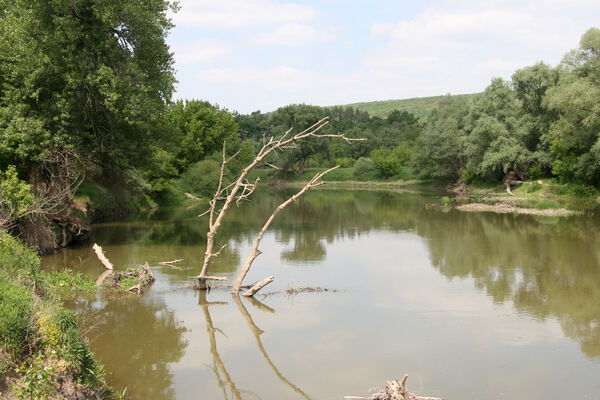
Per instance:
(504,208)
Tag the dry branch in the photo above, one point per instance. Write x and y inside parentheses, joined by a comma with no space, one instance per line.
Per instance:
(170,262)
(102,257)
(314,182)
(254,289)
(230,193)
(394,390)
(293,290)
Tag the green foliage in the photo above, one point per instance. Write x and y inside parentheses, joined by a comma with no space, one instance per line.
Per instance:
(37,382)
(420,107)
(441,150)
(15,196)
(19,262)
(535,187)
(345,162)
(388,162)
(203,177)
(363,166)
(199,130)
(99,83)
(67,284)
(76,351)
(16,308)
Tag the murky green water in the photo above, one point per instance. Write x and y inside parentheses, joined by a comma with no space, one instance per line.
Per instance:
(471,306)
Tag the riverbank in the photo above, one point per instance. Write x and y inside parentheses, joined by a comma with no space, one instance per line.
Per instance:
(42,353)
(545,198)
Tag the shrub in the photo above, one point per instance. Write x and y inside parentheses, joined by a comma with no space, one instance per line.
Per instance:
(345,162)
(16,305)
(202,178)
(363,166)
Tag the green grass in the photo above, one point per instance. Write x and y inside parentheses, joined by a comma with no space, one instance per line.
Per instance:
(35,329)
(419,106)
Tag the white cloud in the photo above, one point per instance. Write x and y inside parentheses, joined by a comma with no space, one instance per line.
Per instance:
(240,13)
(292,35)
(201,52)
(453,46)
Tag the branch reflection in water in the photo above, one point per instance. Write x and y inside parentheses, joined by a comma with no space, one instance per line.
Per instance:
(223,377)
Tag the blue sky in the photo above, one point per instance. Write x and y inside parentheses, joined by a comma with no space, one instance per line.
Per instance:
(249,55)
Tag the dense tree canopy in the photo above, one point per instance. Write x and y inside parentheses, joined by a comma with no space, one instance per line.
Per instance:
(94,76)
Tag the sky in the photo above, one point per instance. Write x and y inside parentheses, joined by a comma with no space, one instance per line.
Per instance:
(249,55)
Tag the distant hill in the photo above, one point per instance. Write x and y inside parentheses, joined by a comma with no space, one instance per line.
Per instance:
(419,106)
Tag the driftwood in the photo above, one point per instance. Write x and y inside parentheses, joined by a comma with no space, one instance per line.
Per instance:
(107,264)
(145,278)
(254,289)
(191,196)
(314,182)
(394,390)
(293,290)
(241,189)
(170,262)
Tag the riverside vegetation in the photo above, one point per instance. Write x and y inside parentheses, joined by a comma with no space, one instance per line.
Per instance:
(77,106)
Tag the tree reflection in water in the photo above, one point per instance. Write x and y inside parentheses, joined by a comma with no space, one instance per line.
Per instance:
(117,325)
(223,377)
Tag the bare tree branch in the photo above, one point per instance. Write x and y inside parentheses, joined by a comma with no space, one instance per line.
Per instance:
(246,188)
(314,182)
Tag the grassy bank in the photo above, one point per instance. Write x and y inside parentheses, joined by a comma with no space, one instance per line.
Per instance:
(42,353)
(542,195)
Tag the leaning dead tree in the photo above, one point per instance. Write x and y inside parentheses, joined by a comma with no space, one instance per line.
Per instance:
(241,188)
(314,182)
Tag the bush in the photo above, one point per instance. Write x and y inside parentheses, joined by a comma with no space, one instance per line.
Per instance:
(390,162)
(202,178)
(345,162)
(15,196)
(534,187)
(363,166)
(18,261)
(16,308)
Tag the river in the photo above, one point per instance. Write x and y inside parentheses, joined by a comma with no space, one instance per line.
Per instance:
(470,305)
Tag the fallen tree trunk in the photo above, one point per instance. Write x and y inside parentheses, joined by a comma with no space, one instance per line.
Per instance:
(254,289)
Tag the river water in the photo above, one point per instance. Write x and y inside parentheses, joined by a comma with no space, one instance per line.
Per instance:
(471,306)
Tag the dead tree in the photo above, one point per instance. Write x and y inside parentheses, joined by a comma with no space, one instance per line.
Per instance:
(314,182)
(241,188)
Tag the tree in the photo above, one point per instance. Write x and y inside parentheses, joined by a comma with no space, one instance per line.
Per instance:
(94,76)
(495,144)
(575,135)
(441,150)
(200,129)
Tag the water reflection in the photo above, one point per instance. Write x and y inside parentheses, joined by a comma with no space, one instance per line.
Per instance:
(390,254)
(144,336)
(223,377)
(256,331)
(545,267)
